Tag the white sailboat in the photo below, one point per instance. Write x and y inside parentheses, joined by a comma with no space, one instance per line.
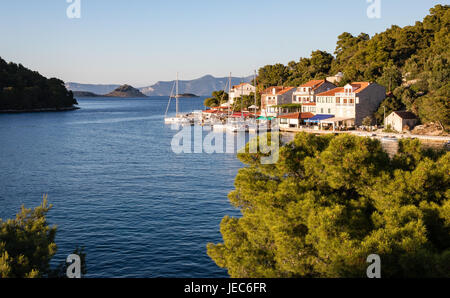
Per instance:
(254,126)
(235,126)
(178,119)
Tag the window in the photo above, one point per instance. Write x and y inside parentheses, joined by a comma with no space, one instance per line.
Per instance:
(338,100)
(329,111)
(321,110)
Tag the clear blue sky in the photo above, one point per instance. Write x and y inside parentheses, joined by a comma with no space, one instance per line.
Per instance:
(140,42)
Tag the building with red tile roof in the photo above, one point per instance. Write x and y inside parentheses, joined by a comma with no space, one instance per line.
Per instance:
(314,84)
(293,119)
(306,93)
(356,100)
(297,115)
(275,96)
(240,90)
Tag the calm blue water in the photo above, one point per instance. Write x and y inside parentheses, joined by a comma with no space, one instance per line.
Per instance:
(117,188)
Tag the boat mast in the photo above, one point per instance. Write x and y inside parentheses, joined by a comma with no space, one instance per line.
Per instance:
(242,99)
(256,101)
(229,93)
(176,94)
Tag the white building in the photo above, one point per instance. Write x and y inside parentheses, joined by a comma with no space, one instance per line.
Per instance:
(306,94)
(354,101)
(400,120)
(273,97)
(293,120)
(337,78)
(240,90)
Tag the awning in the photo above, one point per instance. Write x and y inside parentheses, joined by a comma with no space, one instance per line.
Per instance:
(337,120)
(213,112)
(266,118)
(297,116)
(318,118)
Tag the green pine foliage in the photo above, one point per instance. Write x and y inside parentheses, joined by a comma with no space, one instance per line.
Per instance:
(23,89)
(27,244)
(330,202)
(218,98)
(246,101)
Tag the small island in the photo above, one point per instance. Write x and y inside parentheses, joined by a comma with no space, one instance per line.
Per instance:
(126,91)
(187,95)
(24,90)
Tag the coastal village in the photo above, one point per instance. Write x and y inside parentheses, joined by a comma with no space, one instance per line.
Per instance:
(318,106)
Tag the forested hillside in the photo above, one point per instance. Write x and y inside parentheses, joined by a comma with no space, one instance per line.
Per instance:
(411,62)
(24,90)
(331,201)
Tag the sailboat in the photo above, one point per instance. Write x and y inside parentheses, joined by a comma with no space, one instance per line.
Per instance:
(254,126)
(179,118)
(219,125)
(240,125)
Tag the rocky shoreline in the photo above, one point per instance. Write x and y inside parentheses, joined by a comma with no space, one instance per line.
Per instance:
(67,109)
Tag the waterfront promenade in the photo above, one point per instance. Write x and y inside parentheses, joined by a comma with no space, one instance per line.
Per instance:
(374,134)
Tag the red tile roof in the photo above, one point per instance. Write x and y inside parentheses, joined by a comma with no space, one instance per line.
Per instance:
(314,84)
(297,116)
(360,86)
(242,84)
(213,112)
(331,92)
(279,90)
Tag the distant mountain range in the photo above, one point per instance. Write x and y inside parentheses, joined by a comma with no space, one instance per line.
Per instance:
(96,89)
(203,86)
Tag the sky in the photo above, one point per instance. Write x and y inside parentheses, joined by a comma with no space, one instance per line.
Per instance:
(140,42)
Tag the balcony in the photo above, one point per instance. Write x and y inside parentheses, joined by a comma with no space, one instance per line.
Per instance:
(344,94)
